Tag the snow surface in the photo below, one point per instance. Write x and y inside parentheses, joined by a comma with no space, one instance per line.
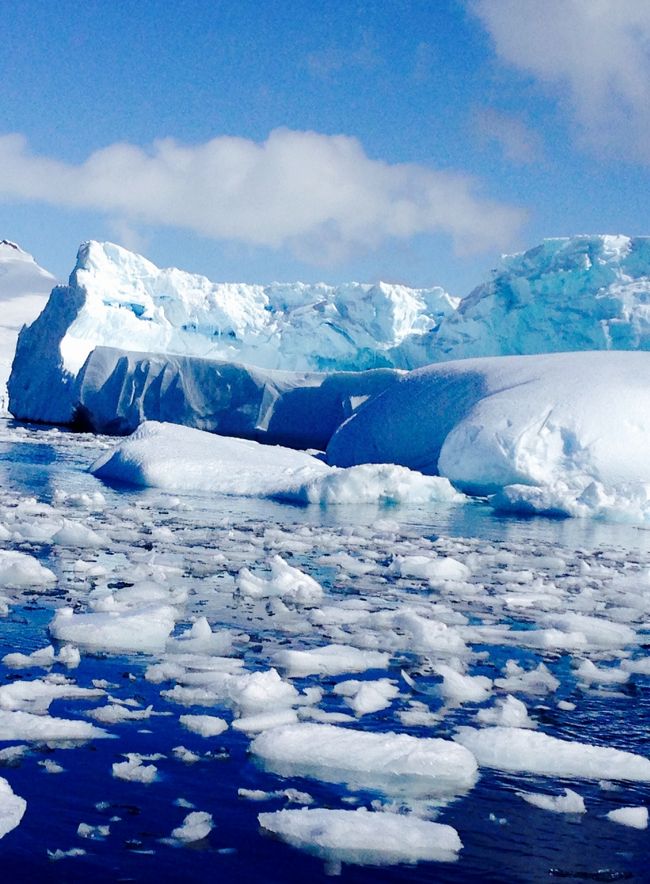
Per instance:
(24,287)
(563,433)
(364,838)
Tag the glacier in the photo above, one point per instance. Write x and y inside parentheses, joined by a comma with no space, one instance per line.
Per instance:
(24,287)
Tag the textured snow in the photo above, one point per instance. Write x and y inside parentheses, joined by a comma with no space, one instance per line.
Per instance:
(393,762)
(571,430)
(364,838)
(24,287)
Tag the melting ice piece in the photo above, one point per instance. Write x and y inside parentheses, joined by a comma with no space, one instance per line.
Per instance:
(145,629)
(363,837)
(205,725)
(18,571)
(44,728)
(329,660)
(195,826)
(516,749)
(570,802)
(394,763)
(12,808)
(285,582)
(636,817)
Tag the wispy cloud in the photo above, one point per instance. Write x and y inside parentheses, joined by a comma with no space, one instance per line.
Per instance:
(319,195)
(518,142)
(596,53)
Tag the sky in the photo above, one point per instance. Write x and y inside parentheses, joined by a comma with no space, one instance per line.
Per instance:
(413,141)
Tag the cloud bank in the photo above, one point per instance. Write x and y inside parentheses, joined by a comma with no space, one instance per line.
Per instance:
(596,52)
(321,196)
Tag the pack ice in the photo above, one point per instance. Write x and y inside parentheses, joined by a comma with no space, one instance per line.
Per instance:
(24,287)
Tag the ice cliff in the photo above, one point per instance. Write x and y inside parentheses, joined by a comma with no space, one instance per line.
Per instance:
(24,287)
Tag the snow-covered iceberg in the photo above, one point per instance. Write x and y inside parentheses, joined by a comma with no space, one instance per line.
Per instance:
(119,299)
(557,431)
(185,459)
(571,293)
(24,287)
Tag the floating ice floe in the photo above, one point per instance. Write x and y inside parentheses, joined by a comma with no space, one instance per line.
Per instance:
(363,837)
(197,825)
(12,808)
(144,630)
(285,582)
(27,726)
(635,817)
(133,770)
(529,751)
(21,571)
(569,802)
(329,660)
(205,725)
(394,763)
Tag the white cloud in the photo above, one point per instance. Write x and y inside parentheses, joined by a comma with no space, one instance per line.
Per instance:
(519,143)
(595,52)
(319,195)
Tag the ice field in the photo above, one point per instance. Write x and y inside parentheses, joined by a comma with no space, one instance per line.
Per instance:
(410,689)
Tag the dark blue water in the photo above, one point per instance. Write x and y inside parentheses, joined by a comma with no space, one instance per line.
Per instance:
(505,839)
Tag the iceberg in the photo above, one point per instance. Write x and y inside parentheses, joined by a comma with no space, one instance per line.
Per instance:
(24,287)
(572,428)
(181,459)
(120,300)
(566,294)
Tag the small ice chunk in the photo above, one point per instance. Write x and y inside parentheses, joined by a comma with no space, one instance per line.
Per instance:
(93,833)
(76,534)
(636,817)
(255,724)
(286,582)
(364,697)
(507,712)
(145,629)
(197,825)
(457,688)
(55,855)
(363,837)
(20,571)
(570,802)
(329,660)
(51,767)
(205,725)
(134,770)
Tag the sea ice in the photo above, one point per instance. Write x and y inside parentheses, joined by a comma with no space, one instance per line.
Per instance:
(12,808)
(516,749)
(363,837)
(395,763)
(636,817)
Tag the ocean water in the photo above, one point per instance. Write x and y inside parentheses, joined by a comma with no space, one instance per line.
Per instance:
(526,576)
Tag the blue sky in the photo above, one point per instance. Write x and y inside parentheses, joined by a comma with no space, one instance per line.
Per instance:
(284,139)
